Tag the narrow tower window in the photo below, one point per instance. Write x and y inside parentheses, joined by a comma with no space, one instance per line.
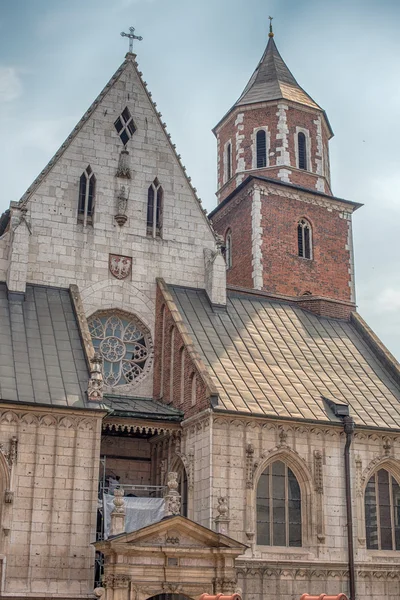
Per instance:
(228,249)
(154,209)
(302,146)
(261,142)
(87,188)
(228,159)
(304,239)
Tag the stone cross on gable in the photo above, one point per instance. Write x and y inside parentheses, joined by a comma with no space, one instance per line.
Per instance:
(131,35)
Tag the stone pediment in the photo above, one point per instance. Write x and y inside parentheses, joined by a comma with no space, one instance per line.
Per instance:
(177,532)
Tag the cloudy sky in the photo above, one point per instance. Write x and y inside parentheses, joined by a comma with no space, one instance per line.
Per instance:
(56,55)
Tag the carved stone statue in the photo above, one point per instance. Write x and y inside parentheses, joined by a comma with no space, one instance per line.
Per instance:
(96,384)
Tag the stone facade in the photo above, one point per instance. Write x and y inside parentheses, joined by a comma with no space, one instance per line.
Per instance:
(49,500)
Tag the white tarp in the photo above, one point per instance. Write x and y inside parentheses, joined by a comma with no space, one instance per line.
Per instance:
(139,512)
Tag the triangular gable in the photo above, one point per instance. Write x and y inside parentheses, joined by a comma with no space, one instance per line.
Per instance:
(172,529)
(129,62)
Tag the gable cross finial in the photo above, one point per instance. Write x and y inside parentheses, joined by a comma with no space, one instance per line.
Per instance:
(271,33)
(131,35)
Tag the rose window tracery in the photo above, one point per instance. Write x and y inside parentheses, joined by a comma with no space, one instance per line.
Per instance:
(124,344)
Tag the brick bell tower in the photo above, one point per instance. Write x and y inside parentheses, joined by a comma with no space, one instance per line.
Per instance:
(285,233)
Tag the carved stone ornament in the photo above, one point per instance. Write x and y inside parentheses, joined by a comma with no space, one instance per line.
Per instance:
(318,476)
(123,165)
(120,266)
(96,383)
(249,465)
(8,497)
(172,497)
(222,507)
(122,206)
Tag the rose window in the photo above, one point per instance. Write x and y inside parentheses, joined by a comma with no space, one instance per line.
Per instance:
(124,344)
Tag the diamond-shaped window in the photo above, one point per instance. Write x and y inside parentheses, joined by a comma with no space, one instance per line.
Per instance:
(125,126)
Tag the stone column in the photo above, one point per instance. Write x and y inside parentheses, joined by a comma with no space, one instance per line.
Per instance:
(118,514)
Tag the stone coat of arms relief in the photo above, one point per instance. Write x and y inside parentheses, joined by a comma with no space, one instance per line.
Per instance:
(120,266)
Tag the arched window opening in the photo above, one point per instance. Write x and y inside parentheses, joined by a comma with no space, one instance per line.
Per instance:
(261,143)
(182,382)
(228,249)
(278,507)
(194,389)
(87,188)
(155,197)
(183,490)
(125,345)
(304,239)
(172,365)
(382,512)
(228,159)
(302,149)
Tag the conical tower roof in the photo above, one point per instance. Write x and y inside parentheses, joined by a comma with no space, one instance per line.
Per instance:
(272,80)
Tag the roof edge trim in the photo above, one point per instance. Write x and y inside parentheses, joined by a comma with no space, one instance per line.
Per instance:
(372,340)
(292,186)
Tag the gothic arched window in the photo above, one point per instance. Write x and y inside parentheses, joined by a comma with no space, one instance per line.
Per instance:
(302,149)
(228,161)
(124,344)
(228,249)
(261,143)
(382,512)
(154,209)
(87,189)
(278,507)
(304,239)
(183,490)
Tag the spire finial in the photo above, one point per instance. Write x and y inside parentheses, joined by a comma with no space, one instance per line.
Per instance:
(131,35)
(271,33)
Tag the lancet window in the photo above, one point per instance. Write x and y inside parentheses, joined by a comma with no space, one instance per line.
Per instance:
(154,209)
(302,150)
(304,239)
(228,161)
(382,512)
(124,344)
(87,189)
(261,143)
(278,507)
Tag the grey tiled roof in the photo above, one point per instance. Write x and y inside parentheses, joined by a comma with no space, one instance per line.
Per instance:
(272,80)
(41,356)
(141,407)
(272,358)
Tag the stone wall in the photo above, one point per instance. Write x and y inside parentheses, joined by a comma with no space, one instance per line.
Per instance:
(62,251)
(49,519)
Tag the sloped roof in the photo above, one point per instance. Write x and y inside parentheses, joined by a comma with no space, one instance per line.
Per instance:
(272,80)
(267,357)
(41,356)
(148,408)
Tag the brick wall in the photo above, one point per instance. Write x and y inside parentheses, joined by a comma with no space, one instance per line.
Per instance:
(282,122)
(168,385)
(284,272)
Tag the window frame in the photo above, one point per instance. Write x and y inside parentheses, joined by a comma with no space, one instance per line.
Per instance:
(87,192)
(154,215)
(228,249)
(227,160)
(268,471)
(257,132)
(306,242)
(375,475)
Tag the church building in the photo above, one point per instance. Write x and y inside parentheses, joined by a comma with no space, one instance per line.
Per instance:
(191,403)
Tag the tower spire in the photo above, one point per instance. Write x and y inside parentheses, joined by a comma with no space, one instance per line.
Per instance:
(271,33)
